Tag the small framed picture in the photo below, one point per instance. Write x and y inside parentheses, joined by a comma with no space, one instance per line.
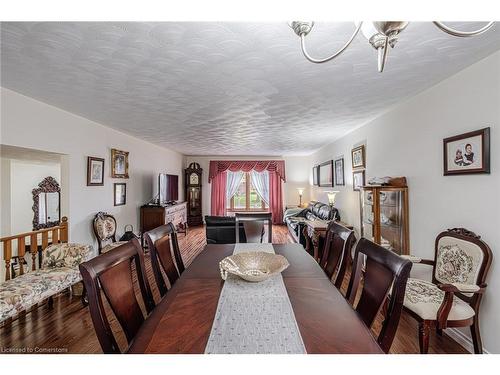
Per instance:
(467,153)
(95,171)
(326,174)
(358,157)
(339,172)
(358,180)
(316,175)
(119,163)
(120,193)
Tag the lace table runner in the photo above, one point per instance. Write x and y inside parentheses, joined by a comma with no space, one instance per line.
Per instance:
(254,318)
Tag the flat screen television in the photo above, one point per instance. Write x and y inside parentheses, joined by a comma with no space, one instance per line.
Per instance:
(168,188)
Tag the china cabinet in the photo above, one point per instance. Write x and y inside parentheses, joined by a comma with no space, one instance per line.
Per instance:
(384,215)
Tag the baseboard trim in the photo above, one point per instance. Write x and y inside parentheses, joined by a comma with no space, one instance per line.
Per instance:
(462,339)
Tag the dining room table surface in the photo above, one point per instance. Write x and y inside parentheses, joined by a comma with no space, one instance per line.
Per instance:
(182,320)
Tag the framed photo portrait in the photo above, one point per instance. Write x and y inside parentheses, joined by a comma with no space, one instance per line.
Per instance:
(95,171)
(120,194)
(119,163)
(358,180)
(316,175)
(467,153)
(358,157)
(326,174)
(339,172)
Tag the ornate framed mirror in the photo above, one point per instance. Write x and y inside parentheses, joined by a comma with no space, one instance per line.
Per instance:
(46,204)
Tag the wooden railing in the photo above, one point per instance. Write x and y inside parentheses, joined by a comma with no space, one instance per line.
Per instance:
(58,234)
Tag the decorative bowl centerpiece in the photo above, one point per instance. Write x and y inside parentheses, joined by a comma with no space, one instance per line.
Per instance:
(253,266)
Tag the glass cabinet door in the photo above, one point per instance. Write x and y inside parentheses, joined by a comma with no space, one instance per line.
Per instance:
(383,217)
(367,215)
(391,220)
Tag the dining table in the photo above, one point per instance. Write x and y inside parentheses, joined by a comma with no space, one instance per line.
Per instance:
(182,320)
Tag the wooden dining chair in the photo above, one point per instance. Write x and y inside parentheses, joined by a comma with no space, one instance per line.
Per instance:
(104,226)
(453,297)
(161,241)
(253,224)
(337,252)
(383,271)
(112,272)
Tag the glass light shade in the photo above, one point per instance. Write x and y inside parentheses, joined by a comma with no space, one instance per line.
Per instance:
(368,29)
(331,197)
(301,191)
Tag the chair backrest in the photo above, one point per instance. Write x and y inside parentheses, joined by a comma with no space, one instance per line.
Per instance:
(461,257)
(253,223)
(336,252)
(221,230)
(112,273)
(104,226)
(160,242)
(383,269)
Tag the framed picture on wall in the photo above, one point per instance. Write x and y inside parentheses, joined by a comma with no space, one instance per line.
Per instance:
(358,157)
(95,171)
(358,180)
(326,174)
(339,172)
(316,175)
(120,194)
(467,153)
(119,163)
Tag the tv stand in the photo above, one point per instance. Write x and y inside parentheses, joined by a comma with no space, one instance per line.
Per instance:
(153,216)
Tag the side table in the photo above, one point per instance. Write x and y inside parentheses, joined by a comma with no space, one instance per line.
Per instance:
(315,231)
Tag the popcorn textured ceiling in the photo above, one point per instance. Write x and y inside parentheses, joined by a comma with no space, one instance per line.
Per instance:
(226,88)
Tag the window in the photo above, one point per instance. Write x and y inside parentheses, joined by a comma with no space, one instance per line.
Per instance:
(246,198)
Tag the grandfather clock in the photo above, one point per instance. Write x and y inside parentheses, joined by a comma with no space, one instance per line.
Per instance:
(193,194)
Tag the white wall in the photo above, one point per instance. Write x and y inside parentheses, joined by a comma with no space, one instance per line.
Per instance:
(24,177)
(29,123)
(4,197)
(295,169)
(297,176)
(407,141)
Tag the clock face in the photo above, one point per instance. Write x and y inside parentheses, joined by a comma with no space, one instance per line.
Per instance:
(193,179)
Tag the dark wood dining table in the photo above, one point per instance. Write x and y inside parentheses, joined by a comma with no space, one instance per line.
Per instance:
(182,320)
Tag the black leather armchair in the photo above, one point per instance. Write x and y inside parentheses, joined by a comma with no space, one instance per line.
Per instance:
(313,211)
(221,230)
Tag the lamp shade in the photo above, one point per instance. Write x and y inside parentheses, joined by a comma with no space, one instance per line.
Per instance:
(301,191)
(331,197)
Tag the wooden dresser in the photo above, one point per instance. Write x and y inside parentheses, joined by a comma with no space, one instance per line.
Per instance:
(154,216)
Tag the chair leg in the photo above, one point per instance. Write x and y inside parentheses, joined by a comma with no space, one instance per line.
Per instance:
(423,336)
(385,307)
(476,336)
(85,300)
(439,331)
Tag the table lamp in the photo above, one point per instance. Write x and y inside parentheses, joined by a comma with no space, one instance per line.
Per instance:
(301,191)
(331,197)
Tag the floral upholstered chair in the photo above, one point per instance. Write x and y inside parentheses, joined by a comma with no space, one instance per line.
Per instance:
(452,299)
(59,271)
(105,232)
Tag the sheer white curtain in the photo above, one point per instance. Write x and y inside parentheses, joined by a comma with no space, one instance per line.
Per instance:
(233,182)
(260,182)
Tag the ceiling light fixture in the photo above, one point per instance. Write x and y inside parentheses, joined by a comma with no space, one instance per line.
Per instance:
(380,34)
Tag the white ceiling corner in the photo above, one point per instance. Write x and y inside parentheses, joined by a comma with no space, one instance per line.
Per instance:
(226,88)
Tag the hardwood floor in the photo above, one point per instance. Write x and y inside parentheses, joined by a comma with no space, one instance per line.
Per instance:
(67,326)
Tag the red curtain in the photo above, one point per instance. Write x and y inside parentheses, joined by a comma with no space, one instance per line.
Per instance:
(218,198)
(218,166)
(217,176)
(275,197)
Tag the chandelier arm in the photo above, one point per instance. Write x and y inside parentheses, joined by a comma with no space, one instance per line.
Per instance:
(319,61)
(382,55)
(459,33)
